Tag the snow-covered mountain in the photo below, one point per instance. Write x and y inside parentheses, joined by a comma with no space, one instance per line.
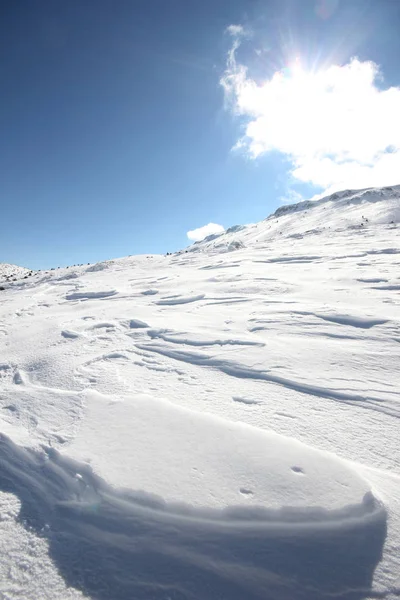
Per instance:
(351,209)
(221,423)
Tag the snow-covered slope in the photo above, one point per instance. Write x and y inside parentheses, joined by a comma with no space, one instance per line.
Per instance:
(211,424)
(12,272)
(351,209)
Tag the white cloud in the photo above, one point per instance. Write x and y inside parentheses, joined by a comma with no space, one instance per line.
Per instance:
(199,234)
(291,197)
(336,126)
(235,30)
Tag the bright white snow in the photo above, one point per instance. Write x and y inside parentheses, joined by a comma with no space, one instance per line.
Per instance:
(218,423)
(12,273)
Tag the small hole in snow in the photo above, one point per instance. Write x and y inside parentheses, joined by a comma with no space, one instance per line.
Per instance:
(297,470)
(246,492)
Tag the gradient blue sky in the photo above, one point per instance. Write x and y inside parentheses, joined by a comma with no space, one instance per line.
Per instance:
(115,136)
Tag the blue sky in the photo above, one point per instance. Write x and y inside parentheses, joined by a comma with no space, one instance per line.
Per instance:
(118,119)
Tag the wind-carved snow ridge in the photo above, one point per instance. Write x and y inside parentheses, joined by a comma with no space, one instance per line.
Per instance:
(244,372)
(116,544)
(179,300)
(90,295)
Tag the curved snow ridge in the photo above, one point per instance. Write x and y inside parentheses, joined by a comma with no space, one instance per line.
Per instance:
(245,372)
(135,543)
(70,334)
(90,295)
(171,301)
(350,320)
(172,337)
(70,484)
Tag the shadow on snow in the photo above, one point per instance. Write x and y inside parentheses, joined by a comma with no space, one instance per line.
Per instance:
(118,545)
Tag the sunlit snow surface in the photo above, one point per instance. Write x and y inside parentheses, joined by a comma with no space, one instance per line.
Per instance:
(221,423)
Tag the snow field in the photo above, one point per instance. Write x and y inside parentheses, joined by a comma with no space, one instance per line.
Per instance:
(221,423)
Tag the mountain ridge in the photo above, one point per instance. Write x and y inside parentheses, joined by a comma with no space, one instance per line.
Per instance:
(354,209)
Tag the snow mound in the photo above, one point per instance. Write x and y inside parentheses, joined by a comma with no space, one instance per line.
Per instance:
(116,543)
(100,266)
(235,245)
(194,462)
